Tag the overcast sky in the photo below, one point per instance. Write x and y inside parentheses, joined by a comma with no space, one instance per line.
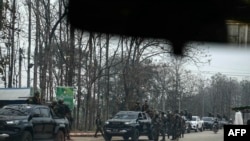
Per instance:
(227,59)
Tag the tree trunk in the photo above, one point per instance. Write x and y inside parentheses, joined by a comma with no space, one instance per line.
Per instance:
(29,44)
(36,56)
(107,77)
(13,45)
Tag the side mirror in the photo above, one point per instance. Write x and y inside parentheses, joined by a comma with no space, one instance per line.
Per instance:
(140,118)
(30,117)
(36,115)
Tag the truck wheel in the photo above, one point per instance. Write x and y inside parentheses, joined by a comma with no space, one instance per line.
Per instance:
(150,135)
(135,135)
(59,136)
(196,129)
(201,129)
(26,136)
(108,137)
(125,138)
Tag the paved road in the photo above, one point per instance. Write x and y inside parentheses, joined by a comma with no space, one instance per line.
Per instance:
(193,136)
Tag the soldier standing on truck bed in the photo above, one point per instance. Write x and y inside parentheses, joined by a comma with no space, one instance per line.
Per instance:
(35,99)
(145,106)
(137,106)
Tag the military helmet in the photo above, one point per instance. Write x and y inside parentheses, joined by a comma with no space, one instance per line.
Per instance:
(156,113)
(60,101)
(36,93)
(54,102)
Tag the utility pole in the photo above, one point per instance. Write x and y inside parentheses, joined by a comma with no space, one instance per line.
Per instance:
(29,44)
(13,44)
(1,12)
(20,67)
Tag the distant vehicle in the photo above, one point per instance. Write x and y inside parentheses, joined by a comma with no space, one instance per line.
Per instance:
(128,124)
(196,123)
(208,122)
(27,122)
(188,124)
(223,122)
(14,96)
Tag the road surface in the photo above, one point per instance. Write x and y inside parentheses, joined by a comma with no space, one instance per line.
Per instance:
(193,136)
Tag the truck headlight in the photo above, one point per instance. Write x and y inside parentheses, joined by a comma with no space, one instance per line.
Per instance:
(106,122)
(128,123)
(13,122)
(16,122)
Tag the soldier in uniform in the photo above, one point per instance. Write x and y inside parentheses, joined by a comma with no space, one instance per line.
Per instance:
(176,127)
(137,106)
(53,104)
(163,125)
(60,109)
(170,125)
(183,127)
(145,106)
(151,113)
(68,116)
(156,123)
(98,123)
(35,99)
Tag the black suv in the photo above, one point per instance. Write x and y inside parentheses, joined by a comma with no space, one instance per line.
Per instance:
(27,122)
(128,124)
(208,122)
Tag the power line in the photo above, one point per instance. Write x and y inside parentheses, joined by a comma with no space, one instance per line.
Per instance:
(235,74)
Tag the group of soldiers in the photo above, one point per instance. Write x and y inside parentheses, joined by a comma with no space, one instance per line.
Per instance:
(61,109)
(144,107)
(170,123)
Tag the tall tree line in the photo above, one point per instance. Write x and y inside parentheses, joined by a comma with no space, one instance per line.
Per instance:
(108,72)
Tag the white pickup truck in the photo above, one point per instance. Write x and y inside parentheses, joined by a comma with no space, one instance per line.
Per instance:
(196,123)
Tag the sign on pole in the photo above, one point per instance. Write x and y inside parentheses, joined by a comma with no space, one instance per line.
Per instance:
(66,94)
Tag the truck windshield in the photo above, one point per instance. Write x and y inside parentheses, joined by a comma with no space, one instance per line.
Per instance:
(125,116)
(193,118)
(13,111)
(207,119)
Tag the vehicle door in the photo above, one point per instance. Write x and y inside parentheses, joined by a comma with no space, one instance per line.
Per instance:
(37,122)
(48,122)
(142,118)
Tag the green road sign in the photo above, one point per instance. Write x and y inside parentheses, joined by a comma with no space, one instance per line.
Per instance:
(66,94)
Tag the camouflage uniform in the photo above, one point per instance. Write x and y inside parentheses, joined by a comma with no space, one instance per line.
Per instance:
(145,107)
(183,127)
(171,125)
(176,127)
(163,126)
(98,123)
(60,110)
(68,116)
(137,107)
(156,123)
(35,99)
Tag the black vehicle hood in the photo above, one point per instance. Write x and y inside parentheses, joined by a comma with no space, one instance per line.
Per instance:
(208,122)
(120,120)
(10,117)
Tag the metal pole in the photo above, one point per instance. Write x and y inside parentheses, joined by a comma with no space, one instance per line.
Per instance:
(179,105)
